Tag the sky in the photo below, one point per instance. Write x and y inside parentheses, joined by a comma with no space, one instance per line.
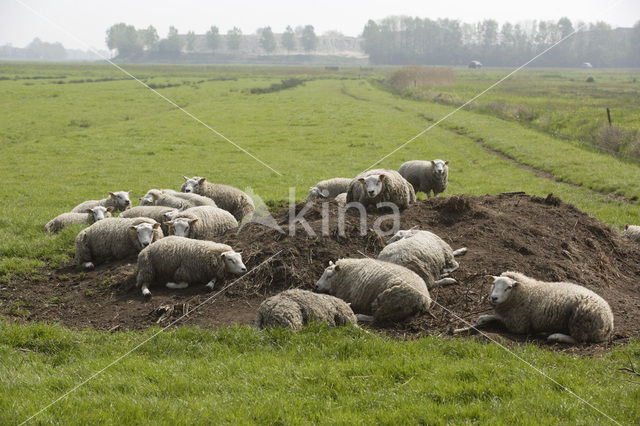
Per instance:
(82,24)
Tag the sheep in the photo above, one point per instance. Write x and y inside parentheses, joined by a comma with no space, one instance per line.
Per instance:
(115,238)
(201,223)
(63,220)
(157,213)
(295,308)
(329,188)
(377,290)
(570,312)
(632,232)
(380,185)
(424,253)
(231,199)
(341,198)
(171,198)
(118,200)
(426,176)
(181,261)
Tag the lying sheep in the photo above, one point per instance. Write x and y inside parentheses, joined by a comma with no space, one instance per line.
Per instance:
(201,223)
(380,185)
(377,290)
(231,199)
(424,253)
(329,188)
(341,198)
(571,312)
(63,220)
(174,199)
(632,232)
(178,262)
(295,308)
(115,238)
(156,213)
(118,200)
(426,176)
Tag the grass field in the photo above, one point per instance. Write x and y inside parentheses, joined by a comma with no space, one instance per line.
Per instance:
(76,132)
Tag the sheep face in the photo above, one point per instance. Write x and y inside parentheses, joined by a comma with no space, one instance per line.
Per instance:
(121,198)
(99,212)
(233,262)
(144,232)
(180,227)
(439,167)
(324,283)
(372,184)
(402,234)
(315,192)
(192,185)
(501,290)
(171,214)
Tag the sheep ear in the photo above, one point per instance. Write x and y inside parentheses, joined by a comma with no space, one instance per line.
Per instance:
(130,191)
(112,195)
(155,225)
(223,255)
(331,263)
(201,181)
(110,209)
(133,229)
(169,223)
(337,267)
(382,178)
(361,180)
(626,226)
(194,220)
(515,284)
(184,177)
(88,211)
(413,228)
(433,162)
(446,162)
(490,278)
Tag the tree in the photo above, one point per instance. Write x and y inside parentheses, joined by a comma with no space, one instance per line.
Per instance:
(268,40)
(288,40)
(149,38)
(191,41)
(172,45)
(309,39)
(124,38)
(39,49)
(565,26)
(213,38)
(234,38)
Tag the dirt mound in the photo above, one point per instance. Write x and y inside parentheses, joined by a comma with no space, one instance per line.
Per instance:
(541,237)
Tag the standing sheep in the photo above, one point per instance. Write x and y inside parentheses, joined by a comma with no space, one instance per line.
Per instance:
(426,176)
(63,220)
(179,262)
(632,232)
(115,238)
(231,199)
(329,188)
(295,308)
(118,200)
(201,223)
(424,253)
(383,290)
(380,185)
(571,312)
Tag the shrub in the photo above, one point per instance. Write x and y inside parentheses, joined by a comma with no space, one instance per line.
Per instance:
(415,75)
(617,139)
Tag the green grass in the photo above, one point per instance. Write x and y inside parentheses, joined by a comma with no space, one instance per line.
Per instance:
(63,142)
(319,375)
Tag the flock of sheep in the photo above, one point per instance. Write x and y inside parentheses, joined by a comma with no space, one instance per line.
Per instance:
(393,287)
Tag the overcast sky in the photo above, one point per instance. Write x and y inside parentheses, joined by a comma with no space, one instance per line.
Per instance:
(88,20)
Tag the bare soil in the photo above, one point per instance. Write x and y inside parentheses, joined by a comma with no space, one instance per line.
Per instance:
(541,237)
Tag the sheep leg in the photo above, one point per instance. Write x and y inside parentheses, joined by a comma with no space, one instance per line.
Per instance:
(561,338)
(485,319)
(449,270)
(88,265)
(145,291)
(444,282)
(178,286)
(364,318)
(460,252)
(211,284)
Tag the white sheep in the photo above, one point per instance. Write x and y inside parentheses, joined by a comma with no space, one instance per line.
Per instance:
(118,200)
(179,262)
(570,312)
(115,238)
(63,220)
(632,232)
(341,198)
(201,223)
(231,199)
(171,198)
(295,308)
(377,290)
(329,188)
(424,253)
(157,213)
(381,185)
(426,176)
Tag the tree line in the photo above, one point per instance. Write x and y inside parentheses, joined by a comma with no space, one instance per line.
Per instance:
(407,40)
(132,43)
